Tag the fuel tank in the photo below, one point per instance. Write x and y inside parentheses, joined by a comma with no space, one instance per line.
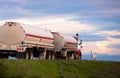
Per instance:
(12,33)
(64,41)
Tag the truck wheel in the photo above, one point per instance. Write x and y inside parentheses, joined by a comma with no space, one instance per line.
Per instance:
(39,55)
(48,54)
(29,53)
(68,56)
(53,55)
(42,55)
(26,54)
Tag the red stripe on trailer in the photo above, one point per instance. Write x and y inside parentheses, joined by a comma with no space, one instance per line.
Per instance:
(71,43)
(67,45)
(36,36)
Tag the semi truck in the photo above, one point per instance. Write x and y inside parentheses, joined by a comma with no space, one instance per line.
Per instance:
(24,41)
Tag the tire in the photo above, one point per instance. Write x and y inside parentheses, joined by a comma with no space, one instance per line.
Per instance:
(29,53)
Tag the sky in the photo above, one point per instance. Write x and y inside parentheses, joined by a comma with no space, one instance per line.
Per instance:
(96,21)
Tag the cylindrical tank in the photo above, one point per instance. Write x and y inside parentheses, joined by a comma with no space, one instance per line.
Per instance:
(63,41)
(12,33)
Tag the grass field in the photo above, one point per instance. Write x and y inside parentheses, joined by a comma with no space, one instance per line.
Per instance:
(58,69)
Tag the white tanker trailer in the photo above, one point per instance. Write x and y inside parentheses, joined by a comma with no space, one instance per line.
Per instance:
(65,45)
(25,41)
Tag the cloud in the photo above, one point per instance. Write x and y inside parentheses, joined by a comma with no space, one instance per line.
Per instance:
(115,46)
(56,23)
(108,33)
(110,46)
(92,36)
(17,13)
(112,11)
(9,1)
(13,1)
(86,9)
(96,47)
(115,36)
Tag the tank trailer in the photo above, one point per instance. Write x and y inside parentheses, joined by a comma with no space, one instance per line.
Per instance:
(25,42)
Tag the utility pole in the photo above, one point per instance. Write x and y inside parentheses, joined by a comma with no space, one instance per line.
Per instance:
(91,55)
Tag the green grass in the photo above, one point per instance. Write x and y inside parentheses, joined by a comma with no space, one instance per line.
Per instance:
(58,69)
